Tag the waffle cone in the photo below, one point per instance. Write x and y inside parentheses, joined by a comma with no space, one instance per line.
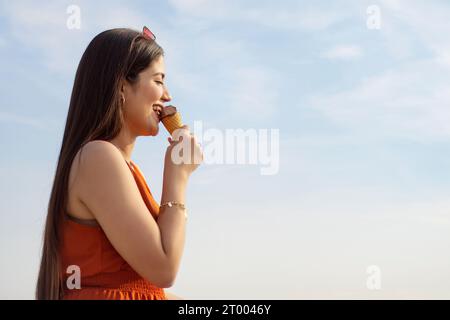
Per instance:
(172,122)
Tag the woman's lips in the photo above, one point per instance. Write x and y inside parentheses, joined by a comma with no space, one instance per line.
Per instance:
(155,115)
(158,108)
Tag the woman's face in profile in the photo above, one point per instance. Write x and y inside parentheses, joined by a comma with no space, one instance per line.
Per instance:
(141,98)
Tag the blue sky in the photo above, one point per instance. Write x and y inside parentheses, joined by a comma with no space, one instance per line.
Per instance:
(364,128)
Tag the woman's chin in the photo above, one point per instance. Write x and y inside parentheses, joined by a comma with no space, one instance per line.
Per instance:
(154,130)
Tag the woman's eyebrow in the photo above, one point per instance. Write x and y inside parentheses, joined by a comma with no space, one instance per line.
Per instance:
(162,74)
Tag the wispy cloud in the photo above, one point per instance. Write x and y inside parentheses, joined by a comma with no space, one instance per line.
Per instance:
(396,103)
(410,100)
(408,23)
(292,15)
(42,26)
(48,20)
(254,93)
(343,52)
(15,119)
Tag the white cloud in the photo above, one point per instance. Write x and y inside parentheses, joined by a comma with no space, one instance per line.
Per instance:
(290,16)
(294,18)
(343,52)
(410,102)
(254,93)
(214,9)
(11,118)
(117,15)
(42,26)
(404,21)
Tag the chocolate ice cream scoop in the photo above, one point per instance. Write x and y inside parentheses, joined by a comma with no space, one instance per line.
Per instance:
(167,111)
(171,119)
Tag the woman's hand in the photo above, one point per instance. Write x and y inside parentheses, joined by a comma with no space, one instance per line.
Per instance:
(184,154)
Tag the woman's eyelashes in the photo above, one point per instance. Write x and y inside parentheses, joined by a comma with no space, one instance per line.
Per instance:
(160,82)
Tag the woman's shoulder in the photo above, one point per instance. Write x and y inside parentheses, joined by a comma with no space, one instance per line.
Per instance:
(99,165)
(99,157)
(96,152)
(76,206)
(98,145)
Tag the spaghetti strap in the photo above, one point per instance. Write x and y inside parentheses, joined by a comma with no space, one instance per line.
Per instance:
(86,222)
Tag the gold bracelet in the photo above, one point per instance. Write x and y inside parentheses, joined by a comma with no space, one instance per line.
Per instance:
(170,204)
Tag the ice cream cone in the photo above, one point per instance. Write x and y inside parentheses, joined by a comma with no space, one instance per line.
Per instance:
(171,119)
(173,122)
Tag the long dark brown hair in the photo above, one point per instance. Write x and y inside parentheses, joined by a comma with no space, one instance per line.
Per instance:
(95,113)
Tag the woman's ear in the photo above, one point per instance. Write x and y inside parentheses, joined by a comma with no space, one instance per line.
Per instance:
(122,93)
(124,86)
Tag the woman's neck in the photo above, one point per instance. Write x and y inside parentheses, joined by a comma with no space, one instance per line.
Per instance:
(125,146)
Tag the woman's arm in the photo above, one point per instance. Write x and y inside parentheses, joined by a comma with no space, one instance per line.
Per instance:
(172,221)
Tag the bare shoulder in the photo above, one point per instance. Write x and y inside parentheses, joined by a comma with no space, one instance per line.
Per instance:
(91,154)
(97,154)
(96,149)
(101,165)
(101,170)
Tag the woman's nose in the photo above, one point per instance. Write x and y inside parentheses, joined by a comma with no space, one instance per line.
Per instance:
(166,96)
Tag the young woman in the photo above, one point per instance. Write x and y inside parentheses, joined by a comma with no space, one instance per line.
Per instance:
(105,236)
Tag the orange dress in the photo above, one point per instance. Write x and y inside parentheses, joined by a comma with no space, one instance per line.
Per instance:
(104,273)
